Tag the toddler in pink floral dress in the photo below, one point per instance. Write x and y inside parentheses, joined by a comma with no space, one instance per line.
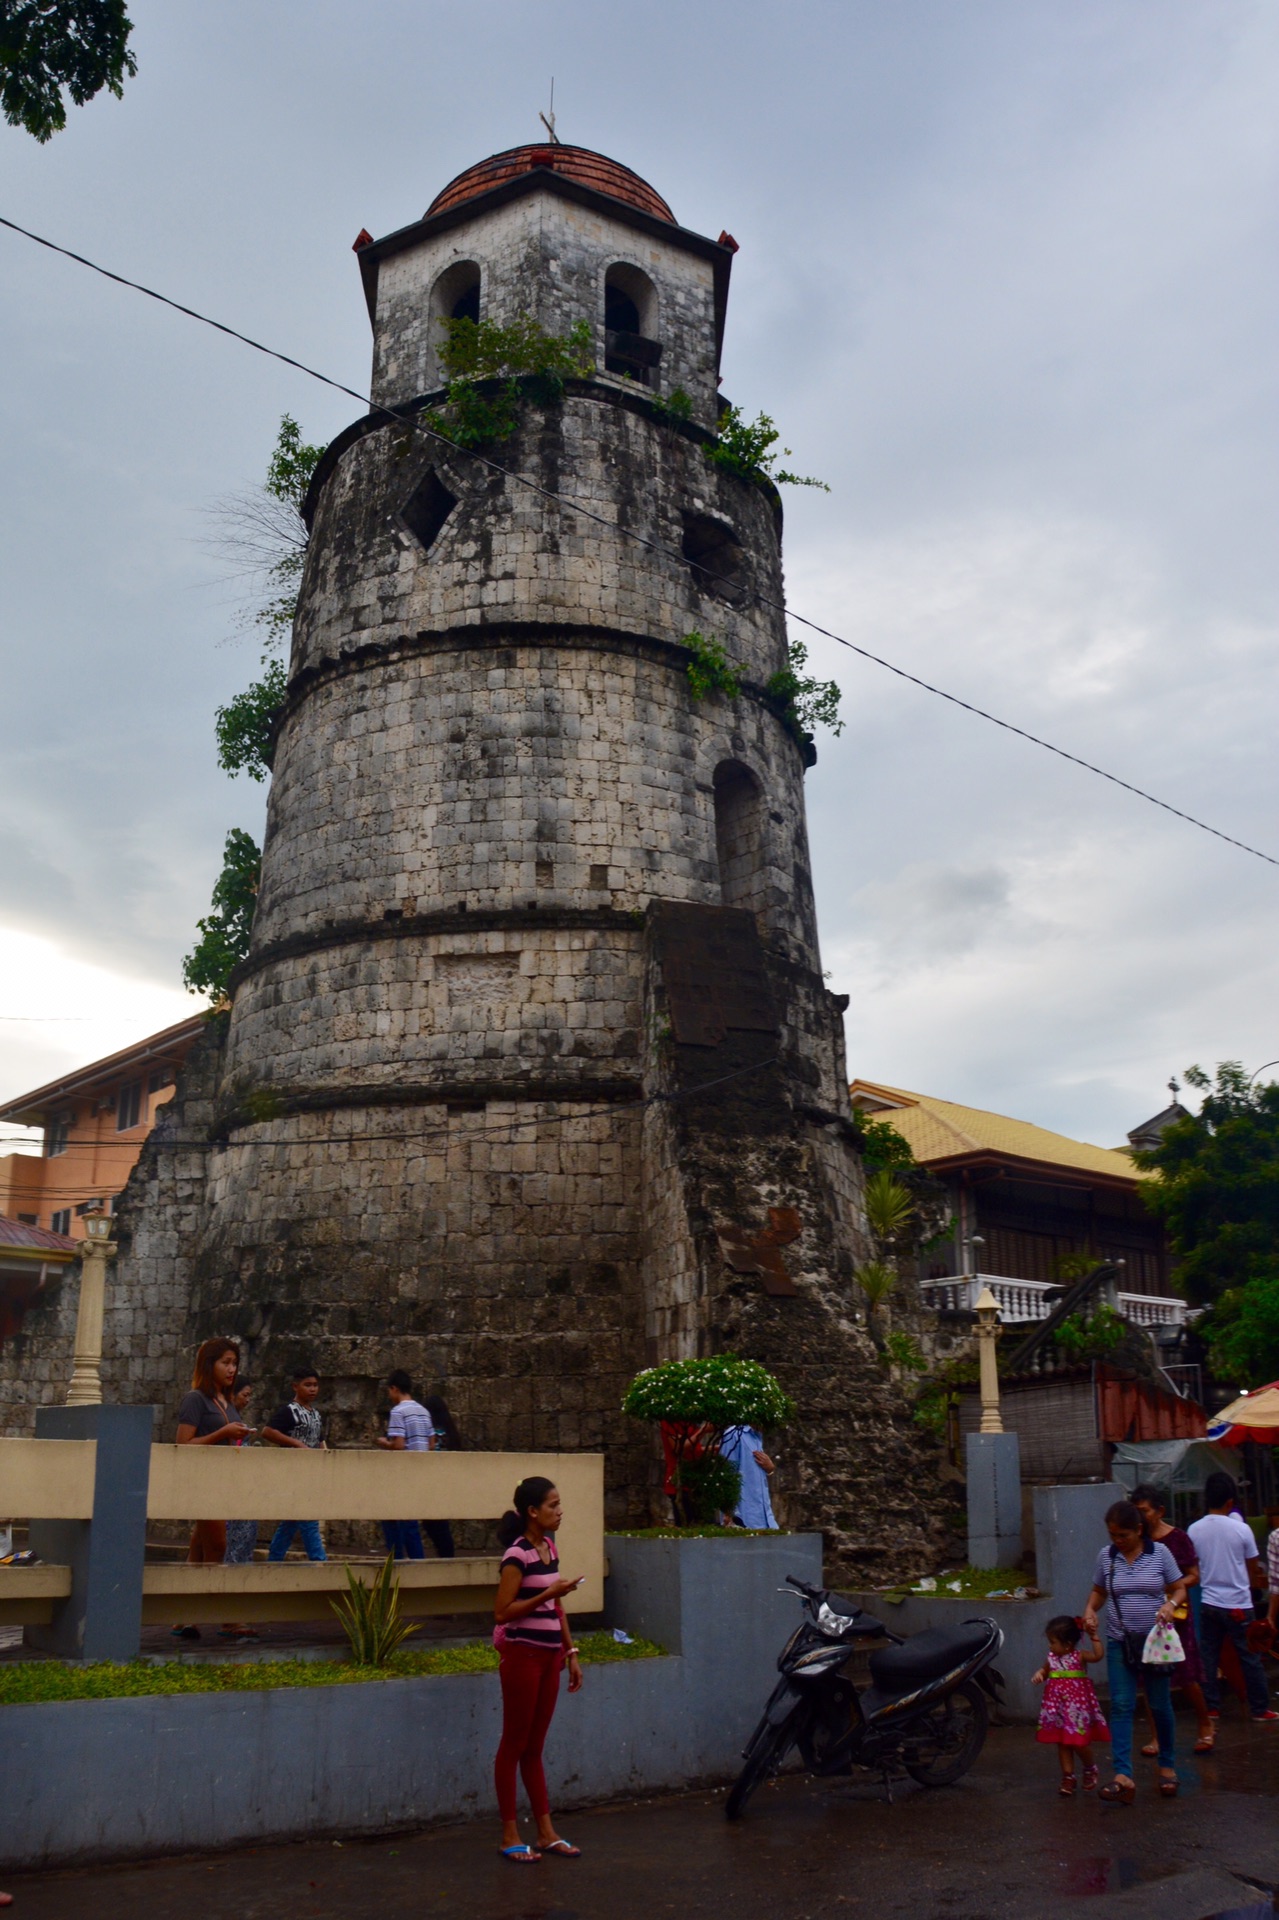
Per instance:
(1070,1717)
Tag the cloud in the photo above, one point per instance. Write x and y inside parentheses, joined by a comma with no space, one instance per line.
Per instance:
(1008,281)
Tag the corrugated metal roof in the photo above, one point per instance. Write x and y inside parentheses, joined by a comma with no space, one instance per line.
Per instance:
(16,1233)
(941,1130)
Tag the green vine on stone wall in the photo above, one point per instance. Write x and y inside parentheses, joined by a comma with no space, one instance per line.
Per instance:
(749,449)
(803,702)
(492,370)
(675,405)
(800,702)
(709,668)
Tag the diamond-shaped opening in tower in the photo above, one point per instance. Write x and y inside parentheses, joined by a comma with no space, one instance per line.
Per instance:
(427,508)
(715,556)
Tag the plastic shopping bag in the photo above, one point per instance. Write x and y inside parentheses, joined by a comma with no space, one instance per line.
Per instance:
(1162,1648)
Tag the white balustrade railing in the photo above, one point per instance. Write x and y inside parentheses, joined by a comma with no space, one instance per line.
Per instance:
(1025,1300)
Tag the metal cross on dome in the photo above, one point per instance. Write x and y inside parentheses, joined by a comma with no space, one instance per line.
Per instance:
(548,120)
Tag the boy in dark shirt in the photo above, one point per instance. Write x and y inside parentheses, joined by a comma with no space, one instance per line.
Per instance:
(297,1424)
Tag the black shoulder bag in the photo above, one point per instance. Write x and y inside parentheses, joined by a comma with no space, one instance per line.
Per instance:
(1133,1643)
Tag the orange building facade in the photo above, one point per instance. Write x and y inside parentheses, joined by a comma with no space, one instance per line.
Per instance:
(95,1121)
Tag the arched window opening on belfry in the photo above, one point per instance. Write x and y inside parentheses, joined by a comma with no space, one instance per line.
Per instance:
(739,836)
(455,296)
(631,346)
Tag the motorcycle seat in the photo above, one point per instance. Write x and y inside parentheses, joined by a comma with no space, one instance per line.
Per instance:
(926,1656)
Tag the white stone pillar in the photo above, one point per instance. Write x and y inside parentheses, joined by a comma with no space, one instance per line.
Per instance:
(85,1389)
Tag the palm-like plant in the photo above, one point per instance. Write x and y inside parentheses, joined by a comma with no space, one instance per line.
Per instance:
(889,1206)
(370,1616)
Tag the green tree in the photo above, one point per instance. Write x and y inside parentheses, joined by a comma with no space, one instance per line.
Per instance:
(1218,1197)
(47,46)
(224,932)
(263,538)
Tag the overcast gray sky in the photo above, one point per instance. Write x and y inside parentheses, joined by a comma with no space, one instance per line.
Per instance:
(1008,280)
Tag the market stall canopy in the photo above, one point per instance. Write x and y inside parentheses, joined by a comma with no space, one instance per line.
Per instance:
(1253,1416)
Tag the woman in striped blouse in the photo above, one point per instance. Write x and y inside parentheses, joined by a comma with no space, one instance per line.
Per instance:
(533,1637)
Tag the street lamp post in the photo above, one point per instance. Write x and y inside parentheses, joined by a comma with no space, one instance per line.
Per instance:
(987,1312)
(85,1389)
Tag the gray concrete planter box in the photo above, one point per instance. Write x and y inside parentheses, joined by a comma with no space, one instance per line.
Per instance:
(94,1780)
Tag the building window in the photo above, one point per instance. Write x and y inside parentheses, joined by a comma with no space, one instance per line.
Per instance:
(56,1134)
(87,1206)
(61,1220)
(28,1219)
(630,325)
(161,1078)
(714,554)
(128,1106)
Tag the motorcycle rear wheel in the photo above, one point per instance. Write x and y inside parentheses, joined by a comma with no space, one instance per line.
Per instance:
(768,1748)
(949,1738)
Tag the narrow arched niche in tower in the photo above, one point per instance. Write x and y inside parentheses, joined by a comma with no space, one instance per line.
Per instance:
(631,346)
(455,296)
(739,836)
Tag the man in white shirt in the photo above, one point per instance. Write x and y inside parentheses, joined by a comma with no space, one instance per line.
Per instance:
(1229,1568)
(409,1430)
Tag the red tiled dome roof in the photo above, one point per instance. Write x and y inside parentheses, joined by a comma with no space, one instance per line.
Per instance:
(575,163)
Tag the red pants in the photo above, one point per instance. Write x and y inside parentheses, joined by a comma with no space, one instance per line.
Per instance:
(530,1687)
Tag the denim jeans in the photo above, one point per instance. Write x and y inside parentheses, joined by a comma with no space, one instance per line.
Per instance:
(1123,1706)
(404,1539)
(1217,1626)
(282,1539)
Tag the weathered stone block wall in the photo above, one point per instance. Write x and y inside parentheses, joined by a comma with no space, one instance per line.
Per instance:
(492,1251)
(508,553)
(544,256)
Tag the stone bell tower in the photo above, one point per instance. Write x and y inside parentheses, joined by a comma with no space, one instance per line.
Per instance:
(522,895)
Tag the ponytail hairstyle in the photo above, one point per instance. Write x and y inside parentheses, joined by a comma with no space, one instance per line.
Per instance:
(528,1497)
(1066,1628)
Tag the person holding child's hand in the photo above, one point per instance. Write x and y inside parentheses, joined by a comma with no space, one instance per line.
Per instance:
(1070,1717)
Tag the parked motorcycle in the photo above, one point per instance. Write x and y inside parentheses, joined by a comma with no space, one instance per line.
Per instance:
(924,1713)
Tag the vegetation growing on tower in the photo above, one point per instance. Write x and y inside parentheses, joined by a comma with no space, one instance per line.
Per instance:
(494,370)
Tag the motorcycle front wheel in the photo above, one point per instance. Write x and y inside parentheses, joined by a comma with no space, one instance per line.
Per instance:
(768,1748)
(946,1742)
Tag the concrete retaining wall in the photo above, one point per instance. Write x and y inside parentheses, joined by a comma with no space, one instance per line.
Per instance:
(97,1780)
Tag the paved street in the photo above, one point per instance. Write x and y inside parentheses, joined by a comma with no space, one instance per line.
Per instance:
(1000,1844)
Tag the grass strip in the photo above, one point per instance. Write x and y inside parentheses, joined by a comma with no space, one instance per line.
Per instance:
(33,1681)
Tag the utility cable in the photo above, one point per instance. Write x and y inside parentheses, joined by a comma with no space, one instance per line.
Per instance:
(655,546)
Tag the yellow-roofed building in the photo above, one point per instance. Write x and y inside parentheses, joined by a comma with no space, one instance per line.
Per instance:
(1026,1201)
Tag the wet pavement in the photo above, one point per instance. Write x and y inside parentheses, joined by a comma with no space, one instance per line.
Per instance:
(1000,1844)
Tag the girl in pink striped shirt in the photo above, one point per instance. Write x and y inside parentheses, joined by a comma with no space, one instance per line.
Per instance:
(534,1640)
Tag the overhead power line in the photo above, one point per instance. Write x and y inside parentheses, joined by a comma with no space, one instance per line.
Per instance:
(655,546)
